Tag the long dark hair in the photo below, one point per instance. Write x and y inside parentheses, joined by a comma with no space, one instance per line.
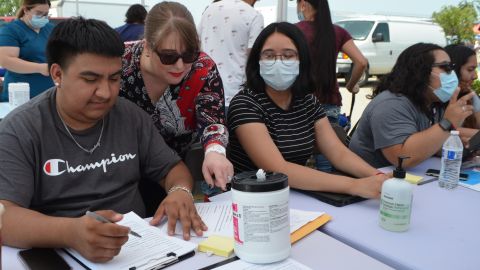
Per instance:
(459,55)
(304,82)
(323,51)
(410,75)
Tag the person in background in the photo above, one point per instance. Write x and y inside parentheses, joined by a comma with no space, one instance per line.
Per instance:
(167,76)
(22,48)
(68,151)
(274,123)
(227,32)
(413,109)
(326,40)
(465,61)
(134,23)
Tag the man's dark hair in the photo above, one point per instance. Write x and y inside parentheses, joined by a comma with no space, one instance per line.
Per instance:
(136,14)
(78,35)
(304,83)
(410,76)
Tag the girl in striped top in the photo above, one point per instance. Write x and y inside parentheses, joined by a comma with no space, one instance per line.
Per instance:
(274,124)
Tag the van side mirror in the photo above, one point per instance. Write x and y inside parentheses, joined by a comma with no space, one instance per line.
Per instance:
(378,37)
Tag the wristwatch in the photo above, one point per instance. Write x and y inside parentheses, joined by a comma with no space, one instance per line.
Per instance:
(445,124)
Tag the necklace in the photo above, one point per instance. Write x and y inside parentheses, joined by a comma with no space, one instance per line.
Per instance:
(90,151)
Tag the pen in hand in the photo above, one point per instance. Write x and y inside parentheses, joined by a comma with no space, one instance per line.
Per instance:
(104,220)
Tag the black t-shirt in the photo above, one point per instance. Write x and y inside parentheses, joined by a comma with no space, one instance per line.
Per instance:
(292,131)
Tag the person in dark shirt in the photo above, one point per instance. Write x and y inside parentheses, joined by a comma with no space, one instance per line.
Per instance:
(67,151)
(274,123)
(325,41)
(134,23)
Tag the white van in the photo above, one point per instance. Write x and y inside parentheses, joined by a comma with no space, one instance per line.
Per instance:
(381,39)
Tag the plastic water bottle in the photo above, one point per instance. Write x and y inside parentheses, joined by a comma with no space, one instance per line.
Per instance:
(451,161)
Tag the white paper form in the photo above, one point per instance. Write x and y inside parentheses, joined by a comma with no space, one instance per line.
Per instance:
(218,217)
(144,252)
(299,218)
(288,264)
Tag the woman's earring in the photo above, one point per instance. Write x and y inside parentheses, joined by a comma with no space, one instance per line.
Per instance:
(57,84)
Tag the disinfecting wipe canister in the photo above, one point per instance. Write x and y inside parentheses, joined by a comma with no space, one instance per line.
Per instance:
(261,223)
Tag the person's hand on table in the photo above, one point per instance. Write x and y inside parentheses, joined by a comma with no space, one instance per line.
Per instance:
(97,241)
(217,170)
(178,205)
(369,187)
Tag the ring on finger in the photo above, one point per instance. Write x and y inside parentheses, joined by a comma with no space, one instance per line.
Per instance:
(463,108)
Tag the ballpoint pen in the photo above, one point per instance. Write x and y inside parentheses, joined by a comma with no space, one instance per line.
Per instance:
(104,220)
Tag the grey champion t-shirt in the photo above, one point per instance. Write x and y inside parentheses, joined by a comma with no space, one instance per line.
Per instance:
(42,168)
(389,119)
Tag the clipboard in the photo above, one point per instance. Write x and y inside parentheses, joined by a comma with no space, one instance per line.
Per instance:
(157,250)
(215,265)
(173,258)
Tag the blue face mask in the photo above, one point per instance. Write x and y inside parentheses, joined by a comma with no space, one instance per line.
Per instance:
(301,16)
(279,75)
(448,84)
(38,21)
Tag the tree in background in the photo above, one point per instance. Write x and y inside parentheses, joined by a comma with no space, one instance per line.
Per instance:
(457,21)
(9,7)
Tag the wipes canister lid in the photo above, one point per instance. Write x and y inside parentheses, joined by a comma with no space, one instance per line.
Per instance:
(248,182)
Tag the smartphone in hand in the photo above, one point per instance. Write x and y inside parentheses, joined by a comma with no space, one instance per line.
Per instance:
(436,173)
(43,259)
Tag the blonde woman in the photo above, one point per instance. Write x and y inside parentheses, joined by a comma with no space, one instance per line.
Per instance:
(180,87)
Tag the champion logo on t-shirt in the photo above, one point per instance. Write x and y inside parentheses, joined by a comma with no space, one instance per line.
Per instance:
(55,167)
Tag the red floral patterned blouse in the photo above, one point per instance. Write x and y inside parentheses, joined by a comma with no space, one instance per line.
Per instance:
(188,112)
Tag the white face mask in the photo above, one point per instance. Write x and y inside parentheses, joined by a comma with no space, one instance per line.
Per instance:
(279,75)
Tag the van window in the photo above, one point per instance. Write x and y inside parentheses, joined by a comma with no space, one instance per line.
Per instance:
(359,30)
(383,29)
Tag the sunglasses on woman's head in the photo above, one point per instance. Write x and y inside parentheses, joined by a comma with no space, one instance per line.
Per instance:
(446,66)
(170,57)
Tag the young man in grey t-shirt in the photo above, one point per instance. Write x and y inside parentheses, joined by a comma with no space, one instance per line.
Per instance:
(77,148)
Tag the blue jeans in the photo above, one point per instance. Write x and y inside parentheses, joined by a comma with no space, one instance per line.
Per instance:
(321,162)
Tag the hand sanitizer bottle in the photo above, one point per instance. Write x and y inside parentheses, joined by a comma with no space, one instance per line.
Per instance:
(396,201)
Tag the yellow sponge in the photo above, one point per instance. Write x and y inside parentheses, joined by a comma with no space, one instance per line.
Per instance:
(218,245)
(413,179)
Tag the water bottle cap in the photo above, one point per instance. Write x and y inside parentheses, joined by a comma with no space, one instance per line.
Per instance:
(454,132)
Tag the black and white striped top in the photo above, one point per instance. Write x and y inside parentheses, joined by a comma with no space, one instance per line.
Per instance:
(292,131)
